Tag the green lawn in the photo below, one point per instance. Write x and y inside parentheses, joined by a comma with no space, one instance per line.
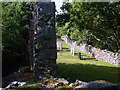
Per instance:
(87,69)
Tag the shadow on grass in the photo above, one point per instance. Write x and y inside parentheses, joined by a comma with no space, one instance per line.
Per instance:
(87,72)
(89,59)
(65,48)
(82,57)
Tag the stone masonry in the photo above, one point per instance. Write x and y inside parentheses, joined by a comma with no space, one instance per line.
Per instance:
(104,55)
(42,44)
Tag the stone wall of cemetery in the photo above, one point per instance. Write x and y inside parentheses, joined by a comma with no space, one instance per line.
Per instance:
(104,55)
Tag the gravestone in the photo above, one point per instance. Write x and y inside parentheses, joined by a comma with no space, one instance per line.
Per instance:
(42,44)
(59,44)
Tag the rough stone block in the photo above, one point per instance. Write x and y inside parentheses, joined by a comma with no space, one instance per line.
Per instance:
(98,86)
(43,40)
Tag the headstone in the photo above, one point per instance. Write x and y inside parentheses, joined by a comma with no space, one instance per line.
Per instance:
(59,44)
(79,56)
(72,52)
(43,51)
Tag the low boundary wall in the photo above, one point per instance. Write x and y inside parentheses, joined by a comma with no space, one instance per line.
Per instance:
(104,55)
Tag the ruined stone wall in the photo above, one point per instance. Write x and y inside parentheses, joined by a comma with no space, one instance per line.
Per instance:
(113,58)
(43,52)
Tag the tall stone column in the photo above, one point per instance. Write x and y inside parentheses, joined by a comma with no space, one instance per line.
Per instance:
(43,51)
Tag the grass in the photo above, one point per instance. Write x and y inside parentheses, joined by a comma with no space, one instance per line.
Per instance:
(88,69)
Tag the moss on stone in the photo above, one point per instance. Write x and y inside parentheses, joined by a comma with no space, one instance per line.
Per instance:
(45,81)
(66,87)
(103,81)
(29,86)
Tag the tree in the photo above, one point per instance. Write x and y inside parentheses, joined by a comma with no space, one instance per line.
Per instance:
(91,23)
(15,25)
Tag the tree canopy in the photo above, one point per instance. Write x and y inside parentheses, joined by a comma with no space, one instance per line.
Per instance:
(94,23)
(15,25)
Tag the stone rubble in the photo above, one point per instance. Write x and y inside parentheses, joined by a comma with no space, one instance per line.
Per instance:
(61,84)
(15,84)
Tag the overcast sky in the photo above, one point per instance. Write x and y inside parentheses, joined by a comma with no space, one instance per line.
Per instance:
(58,4)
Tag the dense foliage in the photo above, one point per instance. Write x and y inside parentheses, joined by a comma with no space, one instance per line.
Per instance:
(15,25)
(94,23)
